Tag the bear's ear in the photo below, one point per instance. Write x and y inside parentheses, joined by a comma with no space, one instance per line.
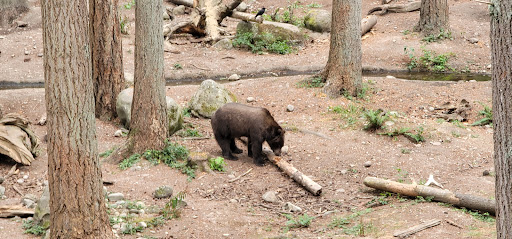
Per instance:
(280,131)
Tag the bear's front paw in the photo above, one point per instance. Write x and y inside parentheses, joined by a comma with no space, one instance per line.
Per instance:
(259,162)
(237,151)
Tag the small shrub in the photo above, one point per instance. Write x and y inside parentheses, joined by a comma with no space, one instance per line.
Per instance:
(350,114)
(129,162)
(487,116)
(175,156)
(375,119)
(189,131)
(32,228)
(106,153)
(442,35)
(314,5)
(131,229)
(129,5)
(172,208)
(301,221)
(415,137)
(429,60)
(177,66)
(217,164)
(261,43)
(123,24)
(341,222)
(313,82)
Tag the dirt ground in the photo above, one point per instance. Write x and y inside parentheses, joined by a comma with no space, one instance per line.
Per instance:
(455,154)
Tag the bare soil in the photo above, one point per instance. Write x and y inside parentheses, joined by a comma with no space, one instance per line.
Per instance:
(455,154)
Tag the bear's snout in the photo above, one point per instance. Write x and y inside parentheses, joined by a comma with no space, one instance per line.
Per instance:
(277,151)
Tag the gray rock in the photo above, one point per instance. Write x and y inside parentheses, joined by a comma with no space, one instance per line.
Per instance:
(2,191)
(142,224)
(28,203)
(174,115)
(20,181)
(234,77)
(114,197)
(284,150)
(223,44)
(40,55)
(118,133)
(279,30)
(165,15)
(270,196)
(473,40)
(250,99)
(292,208)
(290,108)
(343,171)
(367,164)
(179,10)
(242,7)
(42,211)
(318,20)
(208,98)
(124,108)
(163,192)
(486,173)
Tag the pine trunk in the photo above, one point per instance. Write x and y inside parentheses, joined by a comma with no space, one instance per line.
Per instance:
(149,124)
(343,69)
(77,204)
(433,17)
(107,57)
(501,58)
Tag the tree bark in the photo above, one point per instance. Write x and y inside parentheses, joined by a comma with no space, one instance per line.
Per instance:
(501,58)
(433,17)
(107,56)
(149,115)
(77,203)
(343,70)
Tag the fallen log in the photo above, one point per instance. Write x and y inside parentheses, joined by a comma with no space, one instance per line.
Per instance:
(15,210)
(417,228)
(295,174)
(398,8)
(440,195)
(367,23)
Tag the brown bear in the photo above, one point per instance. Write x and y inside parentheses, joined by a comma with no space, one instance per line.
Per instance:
(234,120)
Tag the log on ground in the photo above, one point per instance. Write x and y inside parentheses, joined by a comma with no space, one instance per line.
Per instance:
(440,195)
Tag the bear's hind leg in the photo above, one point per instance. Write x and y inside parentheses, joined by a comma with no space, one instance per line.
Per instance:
(226,149)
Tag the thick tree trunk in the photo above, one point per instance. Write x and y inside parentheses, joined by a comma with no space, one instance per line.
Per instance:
(433,17)
(77,204)
(343,70)
(107,56)
(149,117)
(501,58)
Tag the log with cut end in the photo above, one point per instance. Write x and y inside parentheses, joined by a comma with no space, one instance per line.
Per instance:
(295,174)
(440,195)
(367,23)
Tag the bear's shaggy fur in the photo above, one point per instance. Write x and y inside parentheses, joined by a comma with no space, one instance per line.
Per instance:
(234,120)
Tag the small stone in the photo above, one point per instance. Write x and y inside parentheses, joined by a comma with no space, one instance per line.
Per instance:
(473,40)
(389,123)
(21,23)
(231,176)
(234,77)
(489,66)
(27,52)
(242,7)
(290,108)
(250,99)
(179,10)
(292,208)
(142,224)
(40,55)
(25,176)
(20,181)
(436,143)
(341,190)
(114,197)
(163,192)
(28,203)
(472,81)
(486,173)
(233,201)
(118,133)
(390,77)
(343,171)
(270,196)
(284,150)
(116,226)
(367,164)
(224,44)
(226,235)
(431,108)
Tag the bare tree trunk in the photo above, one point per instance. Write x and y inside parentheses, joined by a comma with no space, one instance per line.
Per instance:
(433,17)
(77,204)
(107,56)
(343,70)
(149,118)
(501,33)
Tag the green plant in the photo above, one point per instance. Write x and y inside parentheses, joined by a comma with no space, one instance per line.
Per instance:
(438,37)
(312,82)
(458,124)
(401,174)
(129,5)
(123,24)
(32,228)
(177,66)
(429,60)
(107,153)
(361,229)
(131,229)
(405,151)
(187,112)
(217,164)
(349,114)
(259,43)
(341,222)
(484,217)
(487,114)
(129,162)
(156,221)
(134,205)
(416,137)
(189,131)
(172,209)
(420,199)
(301,221)
(174,155)
(314,5)
(375,119)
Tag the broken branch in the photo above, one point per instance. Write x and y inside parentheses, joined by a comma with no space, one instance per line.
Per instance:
(239,176)
(295,174)
(440,195)
(417,228)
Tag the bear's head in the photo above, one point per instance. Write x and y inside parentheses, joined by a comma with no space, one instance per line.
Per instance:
(277,140)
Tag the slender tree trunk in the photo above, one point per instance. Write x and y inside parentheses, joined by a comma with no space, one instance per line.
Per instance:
(107,56)
(433,17)
(501,58)
(77,204)
(343,70)
(149,118)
